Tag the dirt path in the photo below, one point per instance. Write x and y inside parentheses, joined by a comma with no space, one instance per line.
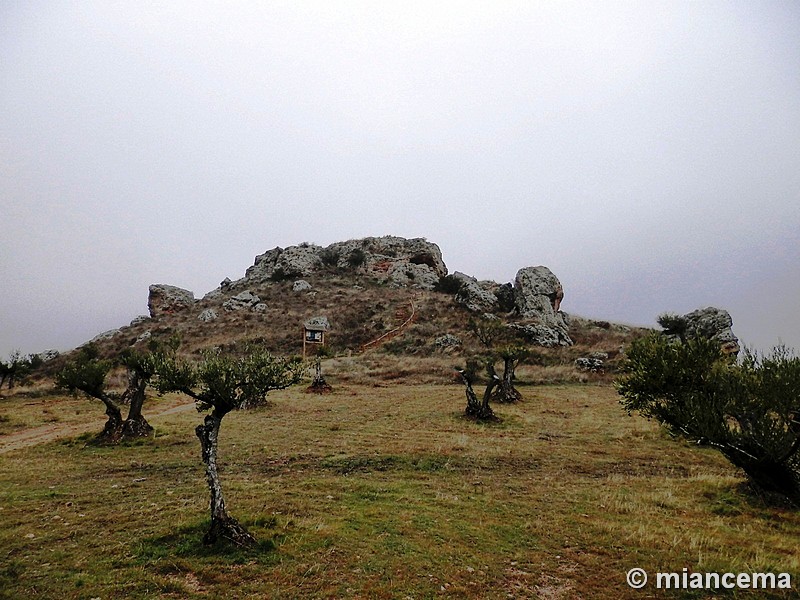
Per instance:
(54,431)
(394,332)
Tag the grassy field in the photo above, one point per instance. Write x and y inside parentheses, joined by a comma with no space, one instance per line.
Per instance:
(380,492)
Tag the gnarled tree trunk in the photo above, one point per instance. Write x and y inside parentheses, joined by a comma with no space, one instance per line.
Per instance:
(319,385)
(113,427)
(774,474)
(222,524)
(506,392)
(136,425)
(476,409)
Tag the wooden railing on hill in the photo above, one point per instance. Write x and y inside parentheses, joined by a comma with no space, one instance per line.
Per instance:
(393,333)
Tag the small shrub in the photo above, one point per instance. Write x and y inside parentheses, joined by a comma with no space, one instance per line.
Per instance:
(505,297)
(449,284)
(329,257)
(357,258)
(279,275)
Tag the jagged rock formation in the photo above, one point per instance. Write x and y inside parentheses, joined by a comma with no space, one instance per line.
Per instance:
(279,263)
(535,296)
(476,295)
(588,363)
(413,263)
(166,299)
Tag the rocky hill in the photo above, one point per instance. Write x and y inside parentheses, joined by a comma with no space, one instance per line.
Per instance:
(391,307)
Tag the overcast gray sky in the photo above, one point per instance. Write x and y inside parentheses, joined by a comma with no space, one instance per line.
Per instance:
(647,152)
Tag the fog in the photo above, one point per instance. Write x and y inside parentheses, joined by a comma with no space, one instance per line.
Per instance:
(647,153)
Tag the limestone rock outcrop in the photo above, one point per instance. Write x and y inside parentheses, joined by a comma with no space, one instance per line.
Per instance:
(241,301)
(301,285)
(106,335)
(543,335)
(207,315)
(474,295)
(537,292)
(537,296)
(402,262)
(714,323)
(588,363)
(166,299)
(279,263)
(381,256)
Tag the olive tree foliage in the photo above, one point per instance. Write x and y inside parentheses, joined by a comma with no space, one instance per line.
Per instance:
(673,324)
(749,411)
(223,383)
(86,373)
(18,368)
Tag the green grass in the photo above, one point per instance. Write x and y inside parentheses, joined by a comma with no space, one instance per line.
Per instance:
(386,493)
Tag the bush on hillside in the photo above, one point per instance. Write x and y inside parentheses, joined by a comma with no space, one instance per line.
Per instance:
(749,411)
(449,284)
(329,257)
(357,258)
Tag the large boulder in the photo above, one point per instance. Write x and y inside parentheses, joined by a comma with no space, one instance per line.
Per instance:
(713,323)
(543,335)
(167,299)
(241,301)
(207,315)
(537,292)
(301,285)
(404,273)
(537,296)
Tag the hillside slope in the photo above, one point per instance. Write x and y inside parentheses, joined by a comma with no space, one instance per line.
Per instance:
(367,289)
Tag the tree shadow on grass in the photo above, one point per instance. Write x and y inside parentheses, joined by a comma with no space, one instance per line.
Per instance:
(746,497)
(187,543)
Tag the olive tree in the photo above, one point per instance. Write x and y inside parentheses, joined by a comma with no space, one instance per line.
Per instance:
(478,409)
(749,411)
(141,370)
(222,383)
(501,345)
(511,355)
(87,373)
(17,368)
